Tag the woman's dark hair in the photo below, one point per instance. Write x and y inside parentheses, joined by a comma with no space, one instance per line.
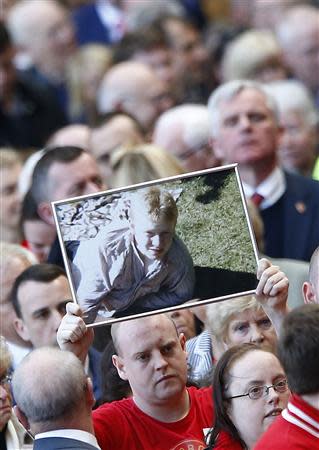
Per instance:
(113,387)
(221,380)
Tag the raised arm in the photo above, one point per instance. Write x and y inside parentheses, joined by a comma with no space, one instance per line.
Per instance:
(73,335)
(272,292)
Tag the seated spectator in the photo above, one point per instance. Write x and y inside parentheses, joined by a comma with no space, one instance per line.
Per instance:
(250,390)
(86,71)
(10,202)
(50,49)
(39,295)
(55,407)
(14,260)
(136,164)
(38,235)
(297,33)
(12,433)
(299,118)
(253,55)
(28,111)
(184,131)
(134,88)
(115,130)
(298,351)
(310,288)
(136,264)
(238,321)
(245,130)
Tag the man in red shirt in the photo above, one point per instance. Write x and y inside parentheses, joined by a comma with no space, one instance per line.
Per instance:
(162,414)
(298,351)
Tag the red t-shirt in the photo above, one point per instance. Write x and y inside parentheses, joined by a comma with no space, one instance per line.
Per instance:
(122,425)
(296,429)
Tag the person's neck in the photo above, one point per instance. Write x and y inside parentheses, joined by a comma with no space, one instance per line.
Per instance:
(15,339)
(81,423)
(253,175)
(173,410)
(312,399)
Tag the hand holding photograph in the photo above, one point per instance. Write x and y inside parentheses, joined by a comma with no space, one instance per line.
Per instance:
(155,246)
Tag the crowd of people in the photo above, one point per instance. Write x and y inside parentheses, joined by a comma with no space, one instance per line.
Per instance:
(105,94)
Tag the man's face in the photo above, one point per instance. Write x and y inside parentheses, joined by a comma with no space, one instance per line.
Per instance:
(40,237)
(152,239)
(8,273)
(248,133)
(152,358)
(190,56)
(42,308)
(297,149)
(303,54)
(184,321)
(149,101)
(5,399)
(7,73)
(55,39)
(120,130)
(161,61)
(10,202)
(79,177)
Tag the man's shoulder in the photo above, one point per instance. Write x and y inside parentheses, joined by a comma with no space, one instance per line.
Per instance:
(299,185)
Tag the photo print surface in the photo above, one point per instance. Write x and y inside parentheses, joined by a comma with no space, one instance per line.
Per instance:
(158,246)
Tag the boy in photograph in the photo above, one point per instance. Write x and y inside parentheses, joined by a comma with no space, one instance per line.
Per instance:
(136,264)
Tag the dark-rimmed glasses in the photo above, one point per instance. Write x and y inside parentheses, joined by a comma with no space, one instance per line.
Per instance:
(4,381)
(256,392)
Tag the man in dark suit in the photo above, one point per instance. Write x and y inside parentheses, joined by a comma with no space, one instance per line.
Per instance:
(245,130)
(54,400)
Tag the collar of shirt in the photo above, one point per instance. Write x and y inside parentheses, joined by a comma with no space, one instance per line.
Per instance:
(272,188)
(80,435)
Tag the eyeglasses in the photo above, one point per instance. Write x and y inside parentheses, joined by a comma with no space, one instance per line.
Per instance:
(4,381)
(256,392)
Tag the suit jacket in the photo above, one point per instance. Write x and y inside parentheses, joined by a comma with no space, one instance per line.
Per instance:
(88,26)
(292,223)
(60,443)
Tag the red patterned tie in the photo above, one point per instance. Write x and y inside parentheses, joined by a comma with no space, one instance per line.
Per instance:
(257,199)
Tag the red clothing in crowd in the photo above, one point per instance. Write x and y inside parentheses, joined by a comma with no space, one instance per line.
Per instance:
(122,425)
(296,428)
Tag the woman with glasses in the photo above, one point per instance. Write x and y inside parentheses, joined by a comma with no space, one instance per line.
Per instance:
(12,434)
(249,391)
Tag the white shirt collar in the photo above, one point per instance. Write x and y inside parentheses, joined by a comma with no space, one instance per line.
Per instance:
(80,435)
(272,188)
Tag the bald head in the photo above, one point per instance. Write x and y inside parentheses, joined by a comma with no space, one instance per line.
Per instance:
(49,386)
(120,330)
(72,135)
(133,87)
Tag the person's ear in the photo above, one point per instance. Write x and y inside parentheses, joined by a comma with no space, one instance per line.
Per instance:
(45,213)
(90,399)
(308,292)
(182,340)
(120,366)
(21,329)
(21,417)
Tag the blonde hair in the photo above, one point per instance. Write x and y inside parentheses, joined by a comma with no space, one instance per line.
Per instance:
(247,53)
(220,314)
(8,158)
(137,164)
(5,356)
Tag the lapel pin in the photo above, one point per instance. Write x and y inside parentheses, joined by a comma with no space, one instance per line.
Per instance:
(300,207)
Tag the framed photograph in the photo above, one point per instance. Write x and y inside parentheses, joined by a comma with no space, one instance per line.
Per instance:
(158,246)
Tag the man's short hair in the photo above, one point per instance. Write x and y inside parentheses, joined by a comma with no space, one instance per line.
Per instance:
(49,385)
(159,204)
(41,273)
(5,40)
(298,349)
(228,91)
(41,186)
